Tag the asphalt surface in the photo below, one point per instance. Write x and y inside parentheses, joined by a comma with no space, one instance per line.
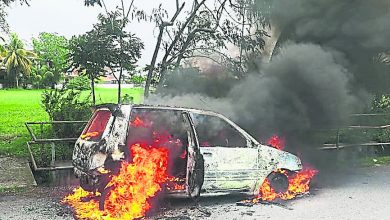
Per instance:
(362,193)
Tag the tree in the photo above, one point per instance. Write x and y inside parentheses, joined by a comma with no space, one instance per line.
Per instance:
(52,51)
(206,32)
(204,29)
(88,55)
(123,49)
(3,13)
(16,59)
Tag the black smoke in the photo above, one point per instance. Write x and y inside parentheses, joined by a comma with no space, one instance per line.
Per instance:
(357,28)
(322,70)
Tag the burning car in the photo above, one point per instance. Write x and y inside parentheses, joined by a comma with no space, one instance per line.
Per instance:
(207,152)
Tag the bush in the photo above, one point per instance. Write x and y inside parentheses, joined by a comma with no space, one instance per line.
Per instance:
(381,104)
(138,80)
(66,105)
(79,83)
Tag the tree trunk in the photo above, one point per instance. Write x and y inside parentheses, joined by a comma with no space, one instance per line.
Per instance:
(119,86)
(157,48)
(17,80)
(153,63)
(93,90)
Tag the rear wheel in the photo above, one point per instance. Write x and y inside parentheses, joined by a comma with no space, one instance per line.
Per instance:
(279,182)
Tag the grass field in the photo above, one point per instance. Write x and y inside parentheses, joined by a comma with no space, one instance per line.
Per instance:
(19,106)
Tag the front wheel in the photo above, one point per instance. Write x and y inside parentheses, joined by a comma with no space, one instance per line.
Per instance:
(279,182)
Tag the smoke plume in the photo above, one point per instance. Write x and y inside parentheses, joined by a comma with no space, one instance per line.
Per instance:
(322,70)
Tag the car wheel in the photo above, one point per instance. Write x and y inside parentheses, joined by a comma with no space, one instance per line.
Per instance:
(85,184)
(279,182)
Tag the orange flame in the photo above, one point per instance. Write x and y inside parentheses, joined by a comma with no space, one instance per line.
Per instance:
(90,135)
(277,142)
(138,122)
(299,183)
(136,183)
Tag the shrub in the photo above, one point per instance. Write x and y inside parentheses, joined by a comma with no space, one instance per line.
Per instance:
(79,83)
(66,105)
(381,104)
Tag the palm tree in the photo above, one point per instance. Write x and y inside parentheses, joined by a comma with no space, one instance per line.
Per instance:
(16,59)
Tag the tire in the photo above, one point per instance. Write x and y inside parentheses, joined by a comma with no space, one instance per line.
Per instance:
(85,184)
(279,182)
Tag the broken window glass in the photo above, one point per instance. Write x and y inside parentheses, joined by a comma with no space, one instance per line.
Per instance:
(213,131)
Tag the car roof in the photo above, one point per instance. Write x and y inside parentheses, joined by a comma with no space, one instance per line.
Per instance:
(174,108)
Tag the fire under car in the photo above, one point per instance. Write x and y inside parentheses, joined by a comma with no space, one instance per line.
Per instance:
(208,152)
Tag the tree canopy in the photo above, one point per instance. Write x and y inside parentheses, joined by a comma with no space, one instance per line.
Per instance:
(16,59)
(52,51)
(107,45)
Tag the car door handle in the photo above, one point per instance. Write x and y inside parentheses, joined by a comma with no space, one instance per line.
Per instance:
(207,153)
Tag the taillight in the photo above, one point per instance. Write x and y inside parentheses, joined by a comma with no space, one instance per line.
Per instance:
(96,125)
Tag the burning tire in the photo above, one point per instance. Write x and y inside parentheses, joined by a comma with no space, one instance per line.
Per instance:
(278,181)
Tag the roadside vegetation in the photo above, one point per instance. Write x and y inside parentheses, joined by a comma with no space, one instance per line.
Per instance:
(375,161)
(19,106)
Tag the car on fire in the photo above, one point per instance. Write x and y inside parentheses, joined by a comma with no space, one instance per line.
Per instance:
(208,152)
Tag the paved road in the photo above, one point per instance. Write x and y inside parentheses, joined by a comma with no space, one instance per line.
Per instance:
(359,194)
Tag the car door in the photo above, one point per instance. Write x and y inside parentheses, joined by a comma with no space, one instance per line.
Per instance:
(195,161)
(230,164)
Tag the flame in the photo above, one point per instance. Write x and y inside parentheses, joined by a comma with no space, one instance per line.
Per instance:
(136,183)
(277,142)
(90,135)
(138,122)
(175,183)
(299,183)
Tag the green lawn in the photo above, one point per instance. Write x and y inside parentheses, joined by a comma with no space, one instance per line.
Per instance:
(19,106)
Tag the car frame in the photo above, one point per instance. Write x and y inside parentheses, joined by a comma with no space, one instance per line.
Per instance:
(209,170)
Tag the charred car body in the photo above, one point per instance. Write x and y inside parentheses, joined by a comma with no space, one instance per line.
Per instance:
(209,154)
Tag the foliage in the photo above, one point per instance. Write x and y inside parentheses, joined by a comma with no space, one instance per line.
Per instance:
(3,13)
(206,32)
(92,2)
(107,45)
(123,48)
(16,59)
(66,105)
(52,51)
(88,53)
(79,83)
(8,2)
(137,80)
(41,77)
(20,106)
(381,104)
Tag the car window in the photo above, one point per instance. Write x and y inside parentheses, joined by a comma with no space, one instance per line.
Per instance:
(213,131)
(96,126)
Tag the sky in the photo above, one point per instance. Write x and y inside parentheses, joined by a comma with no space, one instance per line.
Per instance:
(71,17)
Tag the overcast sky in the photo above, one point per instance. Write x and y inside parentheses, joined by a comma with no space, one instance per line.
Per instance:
(71,17)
